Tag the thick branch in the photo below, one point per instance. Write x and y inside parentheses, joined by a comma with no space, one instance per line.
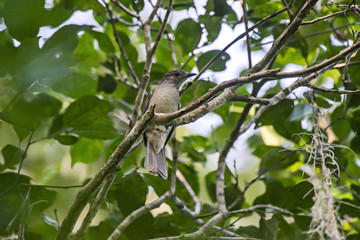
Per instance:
(284,37)
(86,192)
(200,107)
(147,68)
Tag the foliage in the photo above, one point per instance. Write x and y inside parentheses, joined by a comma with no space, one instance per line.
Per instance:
(73,96)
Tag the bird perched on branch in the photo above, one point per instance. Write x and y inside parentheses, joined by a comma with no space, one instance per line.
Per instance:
(165,97)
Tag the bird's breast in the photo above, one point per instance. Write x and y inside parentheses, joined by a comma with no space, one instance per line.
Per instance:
(166,99)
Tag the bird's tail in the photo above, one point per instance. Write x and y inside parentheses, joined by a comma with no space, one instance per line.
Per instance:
(156,163)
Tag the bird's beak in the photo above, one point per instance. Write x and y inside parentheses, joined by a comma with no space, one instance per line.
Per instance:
(190,75)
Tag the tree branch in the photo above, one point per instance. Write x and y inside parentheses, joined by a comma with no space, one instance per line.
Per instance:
(120,44)
(147,68)
(338,91)
(248,46)
(229,45)
(126,10)
(110,167)
(138,213)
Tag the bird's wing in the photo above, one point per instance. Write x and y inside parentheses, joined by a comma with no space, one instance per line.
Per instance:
(170,129)
(147,101)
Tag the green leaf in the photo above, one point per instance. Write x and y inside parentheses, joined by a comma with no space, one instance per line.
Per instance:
(355,121)
(23,17)
(85,111)
(212,25)
(13,195)
(282,125)
(187,35)
(197,90)
(74,85)
(86,150)
(278,159)
(137,5)
(322,102)
(160,185)
(218,65)
(130,193)
(29,109)
(88,117)
(221,8)
(64,40)
(106,84)
(67,139)
(12,156)
(269,228)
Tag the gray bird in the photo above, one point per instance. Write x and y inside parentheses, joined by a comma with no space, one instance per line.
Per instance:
(165,97)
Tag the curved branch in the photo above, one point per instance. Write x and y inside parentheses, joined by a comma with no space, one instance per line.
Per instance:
(138,213)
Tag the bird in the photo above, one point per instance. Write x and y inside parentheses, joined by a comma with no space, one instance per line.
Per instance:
(165,97)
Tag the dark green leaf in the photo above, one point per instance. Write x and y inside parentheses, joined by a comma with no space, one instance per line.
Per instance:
(74,85)
(355,121)
(67,139)
(218,65)
(221,8)
(322,102)
(23,17)
(85,111)
(107,84)
(12,156)
(269,228)
(29,109)
(197,90)
(282,125)
(130,193)
(187,35)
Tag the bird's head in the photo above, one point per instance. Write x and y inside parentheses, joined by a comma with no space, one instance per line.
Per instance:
(176,77)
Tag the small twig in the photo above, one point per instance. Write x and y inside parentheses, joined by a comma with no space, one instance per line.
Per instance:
(248,184)
(49,186)
(120,44)
(138,213)
(23,155)
(20,212)
(248,46)
(174,151)
(291,16)
(250,99)
(56,218)
(162,28)
(343,75)
(126,10)
(191,192)
(254,208)
(230,44)
(123,81)
(333,90)
(322,18)
(172,51)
